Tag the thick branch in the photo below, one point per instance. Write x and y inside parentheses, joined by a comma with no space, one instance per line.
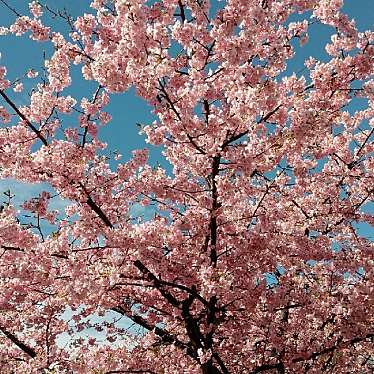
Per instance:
(215,205)
(96,208)
(21,115)
(157,283)
(25,348)
(166,337)
(99,212)
(182,13)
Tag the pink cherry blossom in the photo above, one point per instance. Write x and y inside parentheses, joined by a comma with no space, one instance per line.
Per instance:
(36,9)
(18,87)
(32,73)
(4,115)
(245,256)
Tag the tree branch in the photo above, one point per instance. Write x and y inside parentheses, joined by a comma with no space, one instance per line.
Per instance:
(25,348)
(21,115)
(336,346)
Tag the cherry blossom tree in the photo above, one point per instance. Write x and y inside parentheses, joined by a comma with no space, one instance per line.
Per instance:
(252,261)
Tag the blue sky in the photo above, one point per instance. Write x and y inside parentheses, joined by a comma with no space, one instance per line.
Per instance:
(122,134)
